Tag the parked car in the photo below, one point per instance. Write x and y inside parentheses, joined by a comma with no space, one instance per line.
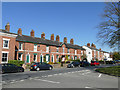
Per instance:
(94,63)
(7,68)
(40,66)
(117,61)
(84,63)
(73,64)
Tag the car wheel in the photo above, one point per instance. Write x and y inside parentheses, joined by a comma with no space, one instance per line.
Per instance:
(50,68)
(78,65)
(38,69)
(2,71)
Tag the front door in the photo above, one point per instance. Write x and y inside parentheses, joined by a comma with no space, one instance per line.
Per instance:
(27,59)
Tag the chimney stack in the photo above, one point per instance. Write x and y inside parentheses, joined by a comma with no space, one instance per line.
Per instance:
(20,31)
(52,37)
(58,38)
(43,35)
(65,39)
(32,33)
(92,45)
(72,41)
(7,27)
(88,44)
(100,49)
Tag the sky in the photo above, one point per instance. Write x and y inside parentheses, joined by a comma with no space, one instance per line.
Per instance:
(77,20)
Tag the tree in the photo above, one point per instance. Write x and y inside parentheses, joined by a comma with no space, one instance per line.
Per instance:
(116,56)
(109,28)
(84,56)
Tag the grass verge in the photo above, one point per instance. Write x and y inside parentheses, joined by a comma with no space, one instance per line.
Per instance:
(114,70)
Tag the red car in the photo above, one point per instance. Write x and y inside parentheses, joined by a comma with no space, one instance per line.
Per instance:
(94,63)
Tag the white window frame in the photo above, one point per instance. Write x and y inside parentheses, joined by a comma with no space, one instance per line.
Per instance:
(68,51)
(7,56)
(57,49)
(8,43)
(47,48)
(21,56)
(75,52)
(21,46)
(35,47)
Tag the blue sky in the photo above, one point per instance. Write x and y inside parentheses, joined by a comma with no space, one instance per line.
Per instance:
(76,20)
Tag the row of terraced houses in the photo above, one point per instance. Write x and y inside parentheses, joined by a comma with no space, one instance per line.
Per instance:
(16,46)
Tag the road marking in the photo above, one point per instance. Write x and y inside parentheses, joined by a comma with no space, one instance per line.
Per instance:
(22,80)
(47,81)
(55,74)
(85,73)
(87,87)
(99,75)
(50,75)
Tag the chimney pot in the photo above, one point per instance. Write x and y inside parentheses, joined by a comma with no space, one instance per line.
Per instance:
(72,41)
(20,31)
(65,39)
(43,35)
(58,38)
(7,27)
(52,37)
(88,44)
(32,33)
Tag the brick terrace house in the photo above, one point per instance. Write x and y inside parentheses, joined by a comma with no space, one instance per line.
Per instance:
(7,44)
(31,48)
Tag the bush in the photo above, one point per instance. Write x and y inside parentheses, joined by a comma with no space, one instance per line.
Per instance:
(16,62)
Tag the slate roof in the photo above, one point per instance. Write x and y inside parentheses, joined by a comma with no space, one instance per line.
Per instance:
(97,49)
(25,38)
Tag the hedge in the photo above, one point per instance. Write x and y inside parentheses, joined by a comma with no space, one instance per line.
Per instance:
(16,62)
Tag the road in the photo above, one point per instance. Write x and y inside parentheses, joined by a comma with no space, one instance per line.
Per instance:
(80,77)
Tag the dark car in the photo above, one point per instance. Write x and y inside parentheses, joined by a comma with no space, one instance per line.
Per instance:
(94,63)
(117,61)
(40,66)
(73,64)
(84,63)
(7,68)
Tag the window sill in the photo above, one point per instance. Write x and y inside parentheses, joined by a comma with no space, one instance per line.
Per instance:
(5,47)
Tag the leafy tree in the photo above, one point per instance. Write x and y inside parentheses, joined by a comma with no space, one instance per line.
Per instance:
(109,28)
(116,56)
(84,56)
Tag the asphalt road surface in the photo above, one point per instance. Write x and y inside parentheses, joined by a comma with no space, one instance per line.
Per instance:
(80,77)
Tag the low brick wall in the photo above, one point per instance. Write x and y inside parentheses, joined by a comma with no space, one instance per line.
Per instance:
(59,65)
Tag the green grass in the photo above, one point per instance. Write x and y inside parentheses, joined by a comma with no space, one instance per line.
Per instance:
(114,70)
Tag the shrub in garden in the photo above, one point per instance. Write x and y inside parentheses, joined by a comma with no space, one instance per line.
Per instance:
(16,62)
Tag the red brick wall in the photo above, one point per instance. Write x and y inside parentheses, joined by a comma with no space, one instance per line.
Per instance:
(0,49)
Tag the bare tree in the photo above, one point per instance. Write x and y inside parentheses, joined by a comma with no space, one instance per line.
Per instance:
(109,28)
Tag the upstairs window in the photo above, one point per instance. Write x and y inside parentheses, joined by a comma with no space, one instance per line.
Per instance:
(6,43)
(35,47)
(20,46)
(75,52)
(47,48)
(57,49)
(68,50)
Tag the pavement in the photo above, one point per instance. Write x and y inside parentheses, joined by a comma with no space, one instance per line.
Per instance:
(80,77)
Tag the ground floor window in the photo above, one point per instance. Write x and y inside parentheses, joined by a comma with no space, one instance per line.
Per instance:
(35,58)
(4,57)
(57,58)
(20,56)
(47,58)
(68,57)
(75,57)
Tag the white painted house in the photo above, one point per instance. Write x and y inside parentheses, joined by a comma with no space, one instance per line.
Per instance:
(88,53)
